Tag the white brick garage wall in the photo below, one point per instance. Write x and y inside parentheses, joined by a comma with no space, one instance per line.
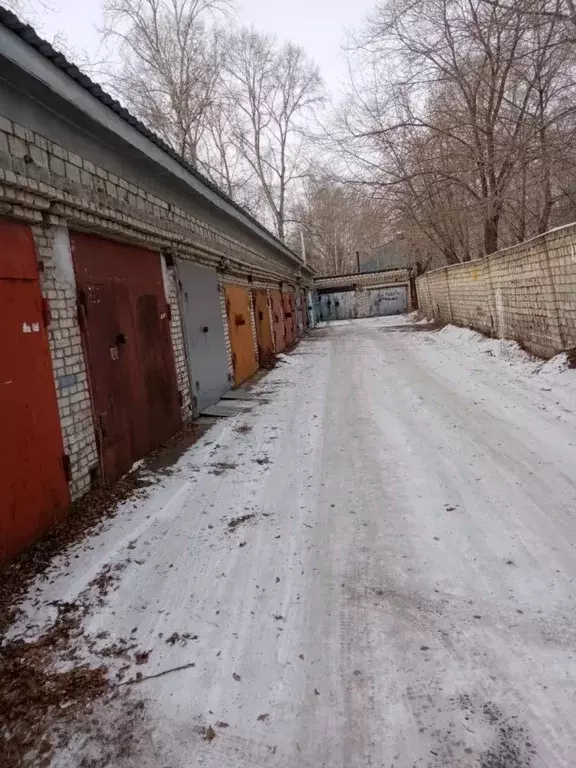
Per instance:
(526,292)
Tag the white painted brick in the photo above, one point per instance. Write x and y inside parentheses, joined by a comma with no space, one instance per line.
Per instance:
(17,146)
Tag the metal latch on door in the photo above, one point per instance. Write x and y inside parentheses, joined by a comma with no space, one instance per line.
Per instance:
(239,320)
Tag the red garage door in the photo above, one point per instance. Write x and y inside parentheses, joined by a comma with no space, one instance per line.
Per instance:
(126,329)
(33,486)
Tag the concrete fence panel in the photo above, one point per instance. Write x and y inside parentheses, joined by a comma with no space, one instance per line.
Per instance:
(526,292)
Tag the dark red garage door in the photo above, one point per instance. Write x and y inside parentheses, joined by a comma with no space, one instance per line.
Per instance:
(126,328)
(33,486)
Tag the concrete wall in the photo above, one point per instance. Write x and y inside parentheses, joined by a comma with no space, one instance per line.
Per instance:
(526,292)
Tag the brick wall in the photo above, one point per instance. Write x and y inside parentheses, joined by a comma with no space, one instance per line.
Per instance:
(70,373)
(526,292)
(178,342)
(39,172)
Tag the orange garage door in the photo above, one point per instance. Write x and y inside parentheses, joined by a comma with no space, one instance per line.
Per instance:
(33,486)
(240,328)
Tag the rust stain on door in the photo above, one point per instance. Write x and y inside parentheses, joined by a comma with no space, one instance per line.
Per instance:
(278,319)
(125,323)
(240,329)
(33,487)
(263,330)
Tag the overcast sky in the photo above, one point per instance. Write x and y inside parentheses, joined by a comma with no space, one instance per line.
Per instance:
(317,25)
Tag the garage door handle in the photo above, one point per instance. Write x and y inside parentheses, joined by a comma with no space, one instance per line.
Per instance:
(239,320)
(205,329)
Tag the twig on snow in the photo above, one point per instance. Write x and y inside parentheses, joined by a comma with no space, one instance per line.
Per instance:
(158,674)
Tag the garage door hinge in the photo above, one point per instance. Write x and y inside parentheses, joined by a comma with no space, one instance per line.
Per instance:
(67,467)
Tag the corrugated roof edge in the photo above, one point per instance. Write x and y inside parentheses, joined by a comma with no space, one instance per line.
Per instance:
(29,35)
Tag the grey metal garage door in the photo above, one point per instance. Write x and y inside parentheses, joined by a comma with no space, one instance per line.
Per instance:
(388,301)
(204,332)
(338,306)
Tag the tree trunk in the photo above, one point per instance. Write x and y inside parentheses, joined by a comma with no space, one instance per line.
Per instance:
(491,224)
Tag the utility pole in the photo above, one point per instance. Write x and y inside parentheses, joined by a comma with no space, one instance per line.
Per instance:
(303,244)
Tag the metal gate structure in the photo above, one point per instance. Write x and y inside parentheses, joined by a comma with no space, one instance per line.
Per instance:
(278,318)
(388,301)
(205,338)
(289,311)
(340,305)
(125,322)
(263,330)
(33,484)
(244,358)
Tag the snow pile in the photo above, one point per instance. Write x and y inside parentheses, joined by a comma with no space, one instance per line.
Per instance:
(555,365)
(557,370)
(558,374)
(506,350)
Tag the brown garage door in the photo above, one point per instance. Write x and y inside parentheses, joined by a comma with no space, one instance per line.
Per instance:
(126,329)
(263,330)
(289,317)
(278,318)
(33,486)
(240,328)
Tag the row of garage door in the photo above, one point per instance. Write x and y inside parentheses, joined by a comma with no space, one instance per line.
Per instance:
(260,323)
(124,317)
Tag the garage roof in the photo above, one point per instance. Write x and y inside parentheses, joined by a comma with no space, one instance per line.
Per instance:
(204,186)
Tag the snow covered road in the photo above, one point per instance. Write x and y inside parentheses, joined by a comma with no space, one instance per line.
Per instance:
(403,592)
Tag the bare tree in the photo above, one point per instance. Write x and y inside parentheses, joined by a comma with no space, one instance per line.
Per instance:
(172,59)
(275,91)
(219,156)
(565,10)
(338,221)
(29,9)
(457,101)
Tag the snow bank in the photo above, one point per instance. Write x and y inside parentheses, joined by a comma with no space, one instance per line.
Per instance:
(472,344)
